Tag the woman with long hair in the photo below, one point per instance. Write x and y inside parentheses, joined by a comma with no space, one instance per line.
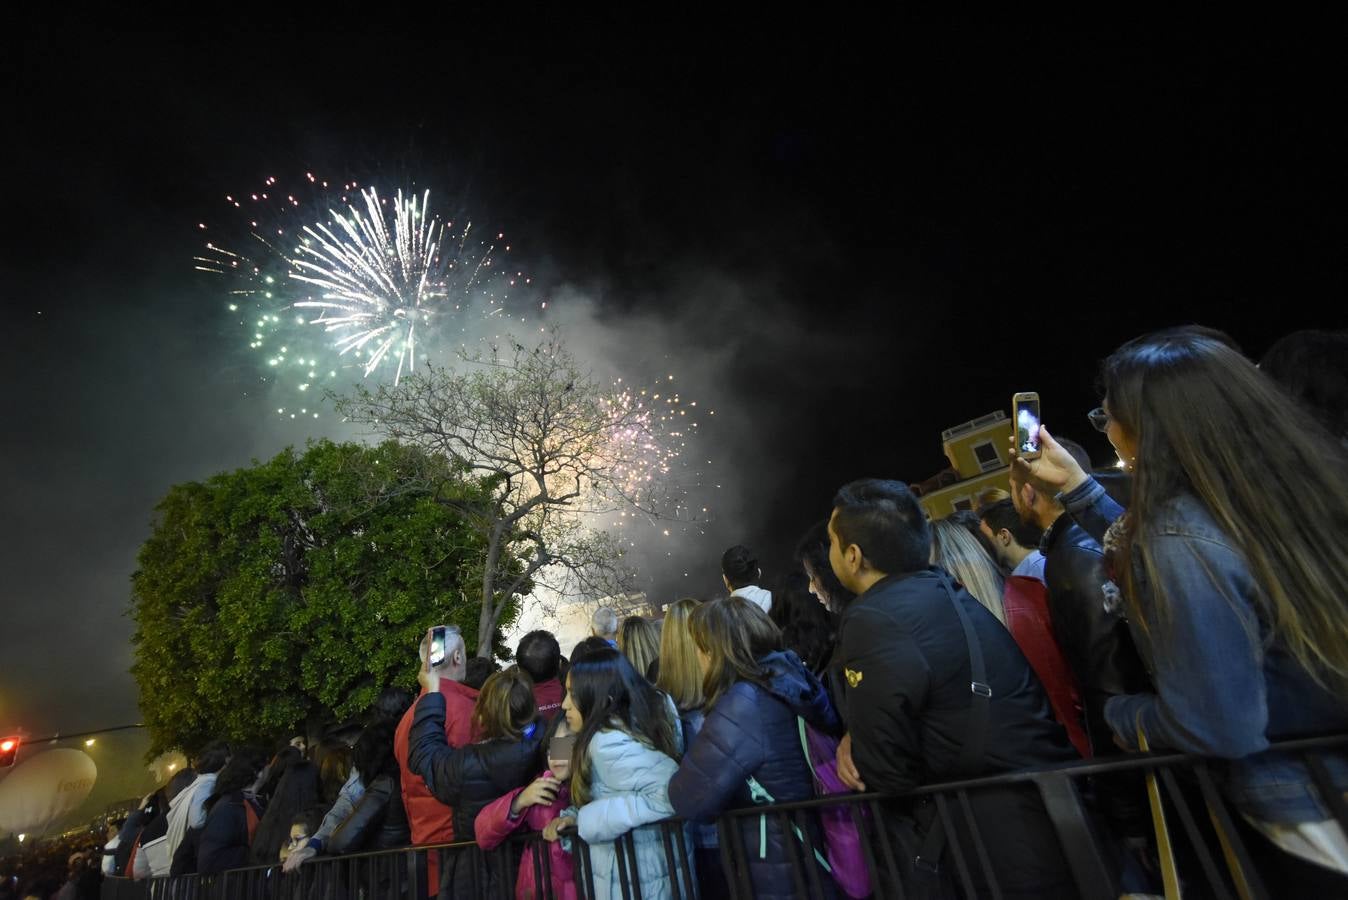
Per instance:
(378,820)
(468,778)
(956,551)
(812,555)
(639,641)
(623,758)
(231,815)
(1230,562)
(808,628)
(749,749)
(681,681)
(680,671)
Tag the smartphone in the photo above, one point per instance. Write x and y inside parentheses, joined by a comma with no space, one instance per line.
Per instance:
(437,654)
(1025,413)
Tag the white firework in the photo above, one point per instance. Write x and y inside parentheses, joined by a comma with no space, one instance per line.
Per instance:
(378,282)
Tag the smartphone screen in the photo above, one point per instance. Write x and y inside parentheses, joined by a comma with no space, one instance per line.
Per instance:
(437,655)
(1026,408)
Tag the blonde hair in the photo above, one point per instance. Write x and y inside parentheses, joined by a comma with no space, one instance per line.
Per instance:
(639,641)
(989,497)
(958,552)
(680,670)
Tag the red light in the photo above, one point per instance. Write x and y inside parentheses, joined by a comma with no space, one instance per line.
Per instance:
(6,746)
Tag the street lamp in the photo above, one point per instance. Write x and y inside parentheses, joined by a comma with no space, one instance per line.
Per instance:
(21,837)
(89,743)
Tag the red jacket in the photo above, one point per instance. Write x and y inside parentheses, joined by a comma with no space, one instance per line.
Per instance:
(548,695)
(430,821)
(1025,602)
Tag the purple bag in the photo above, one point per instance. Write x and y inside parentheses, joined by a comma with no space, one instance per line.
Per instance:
(842,842)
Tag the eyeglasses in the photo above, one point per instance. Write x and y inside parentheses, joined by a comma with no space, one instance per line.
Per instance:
(1099,418)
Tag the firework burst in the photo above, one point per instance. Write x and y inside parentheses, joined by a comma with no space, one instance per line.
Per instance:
(330,280)
(383,280)
(376,283)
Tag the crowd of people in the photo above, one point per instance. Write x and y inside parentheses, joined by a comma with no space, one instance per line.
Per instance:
(69,867)
(1197,602)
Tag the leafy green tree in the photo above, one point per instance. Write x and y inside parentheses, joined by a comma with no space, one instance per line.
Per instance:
(284,596)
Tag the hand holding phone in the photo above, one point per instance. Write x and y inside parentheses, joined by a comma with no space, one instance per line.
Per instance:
(429,674)
(1025,417)
(437,652)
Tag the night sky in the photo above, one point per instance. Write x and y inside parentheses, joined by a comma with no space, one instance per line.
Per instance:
(844,240)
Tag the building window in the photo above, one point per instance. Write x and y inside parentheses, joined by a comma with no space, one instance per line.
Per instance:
(964,503)
(986,454)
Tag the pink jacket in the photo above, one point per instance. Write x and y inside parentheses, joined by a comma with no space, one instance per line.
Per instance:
(494,824)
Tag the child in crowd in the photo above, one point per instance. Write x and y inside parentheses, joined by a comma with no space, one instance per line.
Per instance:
(620,771)
(534,806)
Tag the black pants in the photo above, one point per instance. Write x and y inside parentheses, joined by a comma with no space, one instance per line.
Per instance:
(1017,840)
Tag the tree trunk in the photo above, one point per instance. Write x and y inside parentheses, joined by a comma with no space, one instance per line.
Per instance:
(486,620)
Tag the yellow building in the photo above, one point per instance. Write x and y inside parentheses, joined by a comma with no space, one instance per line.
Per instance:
(978,462)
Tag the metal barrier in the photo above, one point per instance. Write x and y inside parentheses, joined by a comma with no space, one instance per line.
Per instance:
(1211,845)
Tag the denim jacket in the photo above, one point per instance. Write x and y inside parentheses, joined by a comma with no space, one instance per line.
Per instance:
(1225,687)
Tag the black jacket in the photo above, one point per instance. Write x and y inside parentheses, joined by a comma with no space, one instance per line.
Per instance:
(1095,641)
(907,674)
(467,779)
(131,831)
(223,842)
(378,822)
(752,731)
(907,681)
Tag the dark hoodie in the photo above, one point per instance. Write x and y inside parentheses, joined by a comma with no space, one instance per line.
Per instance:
(752,731)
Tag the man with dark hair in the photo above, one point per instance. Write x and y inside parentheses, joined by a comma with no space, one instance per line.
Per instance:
(937,690)
(539,655)
(1014,541)
(741,574)
(1025,608)
(478,670)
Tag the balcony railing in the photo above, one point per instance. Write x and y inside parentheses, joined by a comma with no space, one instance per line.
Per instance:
(972,425)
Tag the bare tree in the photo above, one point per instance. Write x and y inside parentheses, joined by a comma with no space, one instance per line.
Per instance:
(555,447)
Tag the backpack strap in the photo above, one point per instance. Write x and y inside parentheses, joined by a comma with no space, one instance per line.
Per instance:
(251,817)
(760,795)
(131,859)
(975,738)
(805,748)
(980,704)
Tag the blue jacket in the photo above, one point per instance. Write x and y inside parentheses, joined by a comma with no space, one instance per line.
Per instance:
(223,841)
(1225,686)
(752,731)
(629,789)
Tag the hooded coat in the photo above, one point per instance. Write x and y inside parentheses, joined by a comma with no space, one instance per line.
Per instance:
(752,732)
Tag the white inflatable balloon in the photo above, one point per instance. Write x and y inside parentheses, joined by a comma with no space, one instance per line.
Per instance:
(44,788)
